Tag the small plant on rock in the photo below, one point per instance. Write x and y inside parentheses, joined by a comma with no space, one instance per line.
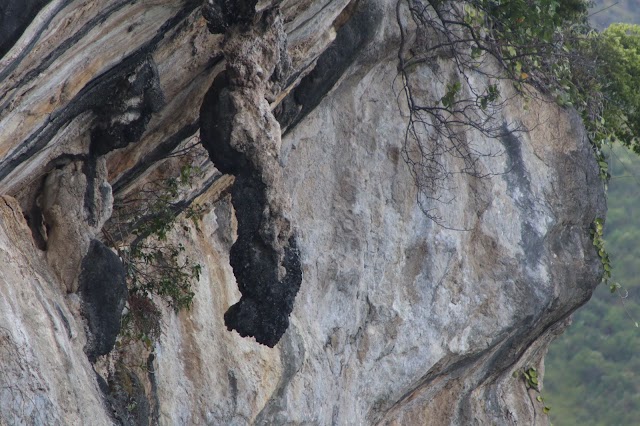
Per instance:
(530,376)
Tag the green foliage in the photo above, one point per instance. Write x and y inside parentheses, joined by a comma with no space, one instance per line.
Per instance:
(155,266)
(533,35)
(530,377)
(619,47)
(491,96)
(550,43)
(525,23)
(142,322)
(597,235)
(449,98)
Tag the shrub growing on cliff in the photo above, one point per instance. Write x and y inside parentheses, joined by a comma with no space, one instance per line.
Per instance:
(155,266)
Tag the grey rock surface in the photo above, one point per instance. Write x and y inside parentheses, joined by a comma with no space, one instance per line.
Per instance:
(398,320)
(45,377)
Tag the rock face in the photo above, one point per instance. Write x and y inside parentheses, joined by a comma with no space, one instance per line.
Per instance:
(46,377)
(355,307)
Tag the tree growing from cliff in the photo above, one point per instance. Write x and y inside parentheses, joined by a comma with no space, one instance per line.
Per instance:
(489,42)
(545,49)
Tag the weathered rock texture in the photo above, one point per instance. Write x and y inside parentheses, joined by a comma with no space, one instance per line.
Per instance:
(243,138)
(311,240)
(45,377)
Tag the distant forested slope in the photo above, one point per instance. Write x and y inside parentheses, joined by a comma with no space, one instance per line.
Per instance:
(605,12)
(593,370)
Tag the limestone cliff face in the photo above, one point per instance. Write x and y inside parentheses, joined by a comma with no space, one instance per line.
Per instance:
(326,295)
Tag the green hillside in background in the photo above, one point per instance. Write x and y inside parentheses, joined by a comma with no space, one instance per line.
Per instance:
(605,12)
(593,370)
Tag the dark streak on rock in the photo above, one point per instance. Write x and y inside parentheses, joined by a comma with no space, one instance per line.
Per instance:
(103,288)
(222,14)
(162,150)
(61,48)
(233,389)
(15,16)
(518,175)
(65,321)
(4,73)
(154,398)
(350,40)
(104,388)
(292,354)
(518,181)
(90,97)
(127,397)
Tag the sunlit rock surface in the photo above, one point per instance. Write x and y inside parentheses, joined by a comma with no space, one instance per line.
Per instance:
(397,319)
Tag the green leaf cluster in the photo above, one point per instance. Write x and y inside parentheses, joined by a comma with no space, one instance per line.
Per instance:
(533,34)
(597,235)
(155,265)
(530,376)
(449,97)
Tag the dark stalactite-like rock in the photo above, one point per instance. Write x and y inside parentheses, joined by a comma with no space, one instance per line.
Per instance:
(267,296)
(124,115)
(263,311)
(216,116)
